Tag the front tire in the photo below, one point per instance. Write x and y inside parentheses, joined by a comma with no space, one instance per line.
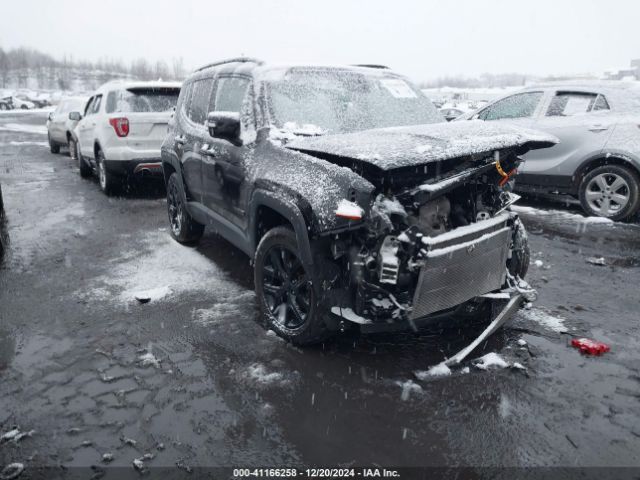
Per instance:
(182,226)
(285,290)
(85,169)
(610,191)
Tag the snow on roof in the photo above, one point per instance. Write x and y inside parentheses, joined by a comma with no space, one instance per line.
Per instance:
(617,85)
(128,84)
(274,72)
(622,96)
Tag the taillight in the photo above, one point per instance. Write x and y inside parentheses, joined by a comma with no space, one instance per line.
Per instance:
(120,125)
(349,210)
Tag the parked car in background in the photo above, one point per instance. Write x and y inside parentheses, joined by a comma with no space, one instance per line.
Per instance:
(357,203)
(21,102)
(598,157)
(6,103)
(40,101)
(451,113)
(60,128)
(120,131)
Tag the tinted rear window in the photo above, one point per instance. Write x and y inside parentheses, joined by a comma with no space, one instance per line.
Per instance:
(142,100)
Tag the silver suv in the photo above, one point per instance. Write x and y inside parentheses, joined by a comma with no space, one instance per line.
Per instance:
(60,128)
(598,157)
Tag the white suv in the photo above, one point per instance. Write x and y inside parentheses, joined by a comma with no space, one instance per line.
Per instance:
(120,133)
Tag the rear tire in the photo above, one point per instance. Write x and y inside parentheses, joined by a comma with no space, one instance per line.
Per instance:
(610,191)
(182,226)
(108,182)
(285,290)
(53,146)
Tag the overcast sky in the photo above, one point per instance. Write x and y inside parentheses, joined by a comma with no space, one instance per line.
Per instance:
(423,39)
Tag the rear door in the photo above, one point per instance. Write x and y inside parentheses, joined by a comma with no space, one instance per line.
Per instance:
(58,122)
(87,125)
(223,163)
(581,121)
(148,110)
(193,135)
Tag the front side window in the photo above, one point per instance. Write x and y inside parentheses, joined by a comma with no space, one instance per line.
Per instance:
(566,104)
(89,106)
(95,106)
(160,99)
(199,100)
(230,93)
(521,105)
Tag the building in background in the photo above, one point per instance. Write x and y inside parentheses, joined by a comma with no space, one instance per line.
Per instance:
(632,72)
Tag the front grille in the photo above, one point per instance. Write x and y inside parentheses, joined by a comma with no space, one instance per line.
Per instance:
(457,273)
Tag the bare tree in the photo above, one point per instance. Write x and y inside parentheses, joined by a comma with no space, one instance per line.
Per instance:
(4,67)
(140,69)
(178,68)
(161,70)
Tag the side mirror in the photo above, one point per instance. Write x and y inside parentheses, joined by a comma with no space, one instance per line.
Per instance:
(75,116)
(50,117)
(225,125)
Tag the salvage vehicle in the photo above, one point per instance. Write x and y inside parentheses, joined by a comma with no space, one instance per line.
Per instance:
(121,129)
(6,103)
(60,128)
(22,102)
(598,157)
(451,113)
(357,203)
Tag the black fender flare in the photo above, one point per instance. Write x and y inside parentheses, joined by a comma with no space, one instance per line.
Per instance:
(289,210)
(170,158)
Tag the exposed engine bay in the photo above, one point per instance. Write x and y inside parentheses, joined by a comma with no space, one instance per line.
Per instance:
(431,246)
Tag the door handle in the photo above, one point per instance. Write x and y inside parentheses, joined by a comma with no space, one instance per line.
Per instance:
(598,128)
(180,139)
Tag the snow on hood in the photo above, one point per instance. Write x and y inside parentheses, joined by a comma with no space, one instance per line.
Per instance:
(396,147)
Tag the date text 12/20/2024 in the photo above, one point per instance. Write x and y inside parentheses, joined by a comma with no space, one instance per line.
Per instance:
(315,473)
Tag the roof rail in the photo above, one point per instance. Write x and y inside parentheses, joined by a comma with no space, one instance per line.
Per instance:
(371,65)
(231,60)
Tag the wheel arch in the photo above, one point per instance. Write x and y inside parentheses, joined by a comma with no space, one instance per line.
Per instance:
(608,158)
(269,211)
(96,148)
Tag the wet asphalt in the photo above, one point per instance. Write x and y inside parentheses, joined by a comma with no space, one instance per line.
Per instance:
(219,390)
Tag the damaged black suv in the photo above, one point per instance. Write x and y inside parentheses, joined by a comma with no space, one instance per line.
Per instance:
(355,200)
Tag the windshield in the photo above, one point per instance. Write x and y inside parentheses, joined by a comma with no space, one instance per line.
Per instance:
(339,101)
(142,100)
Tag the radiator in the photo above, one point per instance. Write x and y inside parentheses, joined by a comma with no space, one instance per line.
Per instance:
(455,273)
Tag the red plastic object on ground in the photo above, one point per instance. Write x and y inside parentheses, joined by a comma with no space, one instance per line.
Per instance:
(590,347)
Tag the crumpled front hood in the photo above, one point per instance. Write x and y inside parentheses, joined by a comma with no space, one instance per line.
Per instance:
(396,147)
